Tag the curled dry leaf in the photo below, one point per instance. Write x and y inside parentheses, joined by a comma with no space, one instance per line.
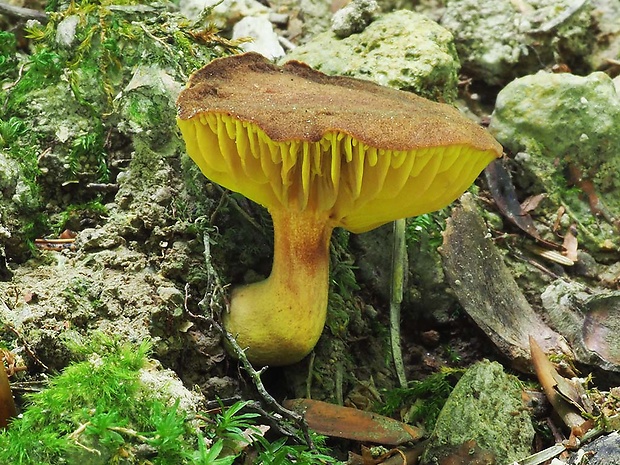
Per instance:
(548,378)
(531,203)
(571,244)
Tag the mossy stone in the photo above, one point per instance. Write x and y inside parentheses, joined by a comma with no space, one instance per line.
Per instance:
(402,49)
(563,123)
(485,406)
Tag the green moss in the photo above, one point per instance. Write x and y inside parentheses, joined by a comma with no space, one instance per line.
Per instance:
(72,216)
(423,399)
(427,227)
(97,411)
(84,405)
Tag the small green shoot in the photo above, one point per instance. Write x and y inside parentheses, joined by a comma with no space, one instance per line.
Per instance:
(425,398)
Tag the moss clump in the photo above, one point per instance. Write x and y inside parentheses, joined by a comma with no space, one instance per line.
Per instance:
(108,408)
(424,398)
(72,89)
(87,413)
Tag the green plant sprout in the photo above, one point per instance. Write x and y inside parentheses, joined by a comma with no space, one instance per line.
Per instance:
(426,397)
(88,155)
(430,224)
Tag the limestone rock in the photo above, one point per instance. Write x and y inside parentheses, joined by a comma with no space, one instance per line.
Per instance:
(500,40)
(354,17)
(402,49)
(485,413)
(264,39)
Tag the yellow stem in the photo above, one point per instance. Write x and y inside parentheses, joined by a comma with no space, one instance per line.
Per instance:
(279,320)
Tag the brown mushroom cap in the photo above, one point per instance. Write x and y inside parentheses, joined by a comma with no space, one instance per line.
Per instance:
(291,137)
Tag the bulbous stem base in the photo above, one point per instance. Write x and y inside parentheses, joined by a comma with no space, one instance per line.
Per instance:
(279,320)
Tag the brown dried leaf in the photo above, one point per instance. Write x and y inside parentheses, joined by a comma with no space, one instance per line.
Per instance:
(547,376)
(558,217)
(351,423)
(571,244)
(531,203)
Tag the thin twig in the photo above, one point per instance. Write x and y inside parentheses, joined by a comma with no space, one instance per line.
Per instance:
(211,304)
(75,435)
(309,377)
(21,13)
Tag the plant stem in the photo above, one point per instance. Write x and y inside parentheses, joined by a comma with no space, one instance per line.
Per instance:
(396,297)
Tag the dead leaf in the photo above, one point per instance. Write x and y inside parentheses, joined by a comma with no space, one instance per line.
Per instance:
(505,197)
(551,255)
(350,423)
(548,376)
(570,243)
(558,217)
(531,203)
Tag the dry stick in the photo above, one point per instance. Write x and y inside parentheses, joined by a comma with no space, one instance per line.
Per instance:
(27,347)
(396,297)
(214,287)
(255,375)
(309,377)
(21,13)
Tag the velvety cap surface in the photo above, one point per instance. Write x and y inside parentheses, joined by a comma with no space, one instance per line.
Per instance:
(295,102)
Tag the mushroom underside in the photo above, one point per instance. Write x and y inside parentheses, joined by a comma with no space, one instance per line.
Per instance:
(358,186)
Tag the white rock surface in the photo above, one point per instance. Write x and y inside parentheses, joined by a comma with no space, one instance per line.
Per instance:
(264,39)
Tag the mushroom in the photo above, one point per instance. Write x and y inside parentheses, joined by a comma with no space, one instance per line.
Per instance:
(318,152)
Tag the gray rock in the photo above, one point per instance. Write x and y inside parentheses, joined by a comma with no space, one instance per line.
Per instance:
(354,17)
(223,14)
(65,32)
(402,49)
(503,39)
(485,413)
(602,451)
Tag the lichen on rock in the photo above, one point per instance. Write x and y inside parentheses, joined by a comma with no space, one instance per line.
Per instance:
(485,411)
(401,49)
(567,129)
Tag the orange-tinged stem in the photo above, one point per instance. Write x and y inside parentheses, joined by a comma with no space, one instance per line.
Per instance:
(279,320)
